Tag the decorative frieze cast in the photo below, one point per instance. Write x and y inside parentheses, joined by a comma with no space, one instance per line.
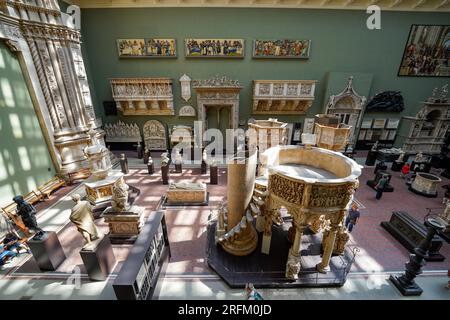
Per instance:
(122,132)
(283,96)
(54,71)
(143,96)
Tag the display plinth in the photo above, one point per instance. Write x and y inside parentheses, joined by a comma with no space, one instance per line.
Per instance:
(47,251)
(371,158)
(406,290)
(124,226)
(165,204)
(98,258)
(213,175)
(268,271)
(410,232)
(374,182)
(99,192)
(397,166)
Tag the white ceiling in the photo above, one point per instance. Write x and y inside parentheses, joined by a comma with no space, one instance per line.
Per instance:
(391,5)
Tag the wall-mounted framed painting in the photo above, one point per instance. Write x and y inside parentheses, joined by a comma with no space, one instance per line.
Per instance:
(281,49)
(426,52)
(147,48)
(131,48)
(214,48)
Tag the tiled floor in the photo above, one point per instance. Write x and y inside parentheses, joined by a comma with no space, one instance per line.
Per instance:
(188,276)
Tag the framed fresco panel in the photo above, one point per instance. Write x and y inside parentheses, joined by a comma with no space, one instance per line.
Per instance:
(214,48)
(131,48)
(426,52)
(281,49)
(160,48)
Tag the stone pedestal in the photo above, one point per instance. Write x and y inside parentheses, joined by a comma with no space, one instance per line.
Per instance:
(371,158)
(151,168)
(146,157)
(124,226)
(397,166)
(203,168)
(425,184)
(165,174)
(99,192)
(410,232)
(98,258)
(213,175)
(421,166)
(178,168)
(47,251)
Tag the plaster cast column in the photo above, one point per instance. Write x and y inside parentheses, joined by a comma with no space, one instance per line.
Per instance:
(324,265)
(293,263)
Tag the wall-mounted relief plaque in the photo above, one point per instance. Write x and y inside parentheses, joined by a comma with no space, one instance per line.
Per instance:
(187,111)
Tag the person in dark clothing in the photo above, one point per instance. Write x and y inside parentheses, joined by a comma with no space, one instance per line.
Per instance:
(27,212)
(382,183)
(352,217)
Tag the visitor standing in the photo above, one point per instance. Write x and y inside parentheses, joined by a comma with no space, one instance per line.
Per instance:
(382,183)
(352,217)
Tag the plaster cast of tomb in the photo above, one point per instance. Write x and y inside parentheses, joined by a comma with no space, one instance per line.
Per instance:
(283,96)
(155,136)
(428,128)
(217,91)
(187,192)
(349,106)
(143,96)
(122,132)
(49,53)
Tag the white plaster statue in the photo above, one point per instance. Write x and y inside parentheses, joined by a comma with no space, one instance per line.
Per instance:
(419,157)
(375,146)
(119,201)
(178,159)
(83,218)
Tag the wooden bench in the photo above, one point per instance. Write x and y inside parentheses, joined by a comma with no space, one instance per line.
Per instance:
(79,175)
(47,188)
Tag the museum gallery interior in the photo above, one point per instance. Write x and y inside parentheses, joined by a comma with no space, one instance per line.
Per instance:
(218,149)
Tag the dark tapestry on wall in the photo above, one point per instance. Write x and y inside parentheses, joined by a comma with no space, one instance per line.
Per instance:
(427,52)
(387,101)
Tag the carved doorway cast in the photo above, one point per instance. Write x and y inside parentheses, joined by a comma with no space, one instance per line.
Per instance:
(217,100)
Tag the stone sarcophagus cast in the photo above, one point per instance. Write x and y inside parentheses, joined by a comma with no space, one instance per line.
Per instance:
(283,96)
(425,184)
(186,192)
(143,96)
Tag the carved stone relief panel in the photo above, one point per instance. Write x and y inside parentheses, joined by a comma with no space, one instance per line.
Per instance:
(155,136)
(143,96)
(282,96)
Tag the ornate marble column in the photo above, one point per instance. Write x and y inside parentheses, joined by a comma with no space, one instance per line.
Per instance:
(50,56)
(324,265)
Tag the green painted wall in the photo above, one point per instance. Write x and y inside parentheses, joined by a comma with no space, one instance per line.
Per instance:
(24,159)
(340,43)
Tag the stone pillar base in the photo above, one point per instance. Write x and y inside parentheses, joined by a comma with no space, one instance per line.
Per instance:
(243,244)
(293,266)
(320,268)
